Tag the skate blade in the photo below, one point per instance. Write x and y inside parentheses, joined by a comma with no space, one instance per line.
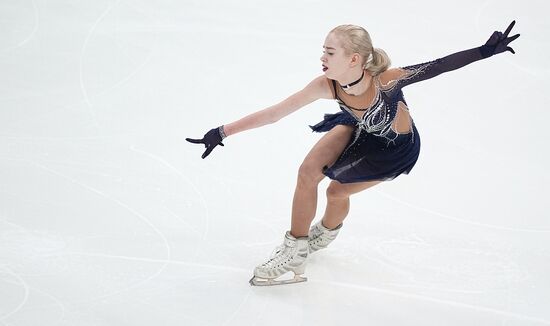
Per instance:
(257,281)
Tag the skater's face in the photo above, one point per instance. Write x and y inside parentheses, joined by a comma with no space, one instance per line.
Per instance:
(335,61)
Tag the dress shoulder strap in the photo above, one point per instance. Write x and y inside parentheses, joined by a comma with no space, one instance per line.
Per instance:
(335,90)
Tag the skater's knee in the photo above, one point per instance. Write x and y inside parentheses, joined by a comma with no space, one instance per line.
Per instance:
(310,174)
(335,192)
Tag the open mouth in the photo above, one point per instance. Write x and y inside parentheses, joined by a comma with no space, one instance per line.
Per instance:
(324,68)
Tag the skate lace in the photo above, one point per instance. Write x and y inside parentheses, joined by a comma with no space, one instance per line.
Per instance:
(281,256)
(277,250)
(315,235)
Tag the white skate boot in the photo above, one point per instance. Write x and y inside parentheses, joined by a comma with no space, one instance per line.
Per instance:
(291,258)
(319,238)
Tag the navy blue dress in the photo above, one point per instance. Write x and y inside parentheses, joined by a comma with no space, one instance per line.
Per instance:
(377,151)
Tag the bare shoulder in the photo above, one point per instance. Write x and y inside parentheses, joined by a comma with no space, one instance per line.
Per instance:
(390,76)
(320,88)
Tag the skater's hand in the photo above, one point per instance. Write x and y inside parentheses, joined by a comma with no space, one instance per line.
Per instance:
(210,140)
(498,42)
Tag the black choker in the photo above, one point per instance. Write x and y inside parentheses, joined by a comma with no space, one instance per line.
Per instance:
(354,83)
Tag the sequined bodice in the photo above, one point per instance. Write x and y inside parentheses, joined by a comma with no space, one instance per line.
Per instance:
(378,118)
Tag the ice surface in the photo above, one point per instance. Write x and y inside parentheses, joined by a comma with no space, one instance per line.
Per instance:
(109,217)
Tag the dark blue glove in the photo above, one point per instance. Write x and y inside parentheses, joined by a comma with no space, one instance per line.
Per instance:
(210,140)
(498,42)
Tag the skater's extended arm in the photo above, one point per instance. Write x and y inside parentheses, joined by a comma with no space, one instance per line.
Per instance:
(316,89)
(397,78)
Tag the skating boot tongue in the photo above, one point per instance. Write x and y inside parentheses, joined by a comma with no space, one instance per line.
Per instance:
(290,241)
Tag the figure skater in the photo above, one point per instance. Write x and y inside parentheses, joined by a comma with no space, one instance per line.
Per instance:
(370,140)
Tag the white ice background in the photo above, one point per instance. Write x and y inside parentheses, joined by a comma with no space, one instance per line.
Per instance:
(109,217)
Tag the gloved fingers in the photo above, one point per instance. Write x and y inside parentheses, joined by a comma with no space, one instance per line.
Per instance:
(510,49)
(509,28)
(195,141)
(511,38)
(208,151)
(221,144)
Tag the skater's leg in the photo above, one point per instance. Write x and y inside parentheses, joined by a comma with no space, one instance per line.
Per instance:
(338,200)
(324,153)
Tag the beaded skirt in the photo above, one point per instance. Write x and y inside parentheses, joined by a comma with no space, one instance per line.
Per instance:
(368,157)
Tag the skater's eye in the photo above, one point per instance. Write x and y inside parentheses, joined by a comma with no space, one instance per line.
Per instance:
(329,48)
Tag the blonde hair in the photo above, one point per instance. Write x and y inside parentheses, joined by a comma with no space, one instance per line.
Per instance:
(355,39)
